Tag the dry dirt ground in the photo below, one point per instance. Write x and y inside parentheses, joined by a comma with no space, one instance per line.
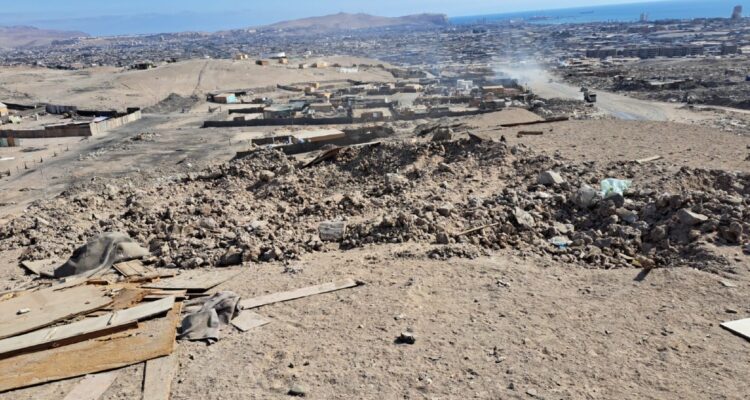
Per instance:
(110,87)
(504,326)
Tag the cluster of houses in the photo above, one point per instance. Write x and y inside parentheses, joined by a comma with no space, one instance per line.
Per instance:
(348,101)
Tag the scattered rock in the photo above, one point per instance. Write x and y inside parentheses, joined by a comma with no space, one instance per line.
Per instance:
(586,197)
(297,391)
(690,218)
(548,178)
(406,338)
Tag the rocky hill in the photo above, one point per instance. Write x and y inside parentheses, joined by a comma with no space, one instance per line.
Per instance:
(345,21)
(26,36)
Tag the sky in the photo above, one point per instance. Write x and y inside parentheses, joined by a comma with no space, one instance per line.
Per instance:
(150,16)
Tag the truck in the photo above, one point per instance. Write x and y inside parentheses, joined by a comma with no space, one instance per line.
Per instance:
(588,95)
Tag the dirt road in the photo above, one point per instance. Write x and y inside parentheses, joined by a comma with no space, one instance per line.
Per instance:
(548,86)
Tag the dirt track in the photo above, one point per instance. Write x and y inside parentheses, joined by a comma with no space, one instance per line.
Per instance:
(621,107)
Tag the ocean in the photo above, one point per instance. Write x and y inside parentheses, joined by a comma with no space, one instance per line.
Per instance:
(673,9)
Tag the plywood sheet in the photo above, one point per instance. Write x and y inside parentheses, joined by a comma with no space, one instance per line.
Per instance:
(48,306)
(44,338)
(248,320)
(153,338)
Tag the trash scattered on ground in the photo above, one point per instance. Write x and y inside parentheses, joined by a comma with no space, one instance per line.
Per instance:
(739,327)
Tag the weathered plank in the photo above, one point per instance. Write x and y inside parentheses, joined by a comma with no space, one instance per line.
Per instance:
(48,306)
(43,268)
(648,160)
(199,282)
(296,294)
(133,269)
(740,327)
(153,338)
(248,320)
(52,337)
(157,377)
(92,387)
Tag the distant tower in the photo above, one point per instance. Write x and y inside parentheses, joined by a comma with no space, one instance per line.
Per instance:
(644,17)
(737,13)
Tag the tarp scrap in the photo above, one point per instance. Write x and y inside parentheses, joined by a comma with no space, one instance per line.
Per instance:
(204,324)
(100,253)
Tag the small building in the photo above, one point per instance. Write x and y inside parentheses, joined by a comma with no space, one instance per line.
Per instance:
(318,135)
(263,63)
(241,56)
(304,66)
(225,98)
(413,88)
(320,64)
(372,114)
(322,107)
(283,60)
(3,110)
(143,65)
(276,111)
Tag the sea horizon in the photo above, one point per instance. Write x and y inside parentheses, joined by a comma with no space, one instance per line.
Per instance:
(630,12)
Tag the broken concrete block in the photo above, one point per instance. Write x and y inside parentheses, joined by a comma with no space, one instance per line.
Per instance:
(332,231)
(586,197)
(690,218)
(548,178)
(523,219)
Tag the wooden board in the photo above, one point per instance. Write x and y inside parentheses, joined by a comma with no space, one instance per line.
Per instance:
(152,339)
(296,294)
(158,376)
(92,387)
(44,268)
(740,327)
(48,306)
(248,320)
(85,329)
(199,282)
(134,268)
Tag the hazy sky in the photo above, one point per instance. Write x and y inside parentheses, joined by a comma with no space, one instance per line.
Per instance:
(272,11)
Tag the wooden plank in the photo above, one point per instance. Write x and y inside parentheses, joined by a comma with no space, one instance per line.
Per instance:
(248,320)
(92,387)
(158,376)
(133,268)
(43,268)
(127,297)
(53,337)
(153,338)
(48,306)
(648,160)
(199,282)
(296,294)
(740,327)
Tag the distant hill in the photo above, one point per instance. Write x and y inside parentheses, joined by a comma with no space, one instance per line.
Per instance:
(26,36)
(344,21)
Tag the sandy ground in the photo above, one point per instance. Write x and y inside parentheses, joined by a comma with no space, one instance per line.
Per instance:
(504,326)
(109,87)
(497,327)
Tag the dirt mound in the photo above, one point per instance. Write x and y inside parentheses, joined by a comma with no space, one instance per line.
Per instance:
(172,103)
(466,198)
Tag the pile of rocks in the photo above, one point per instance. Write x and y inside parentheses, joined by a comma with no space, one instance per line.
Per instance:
(464,198)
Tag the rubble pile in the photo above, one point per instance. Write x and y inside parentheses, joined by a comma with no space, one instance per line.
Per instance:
(462,198)
(555,107)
